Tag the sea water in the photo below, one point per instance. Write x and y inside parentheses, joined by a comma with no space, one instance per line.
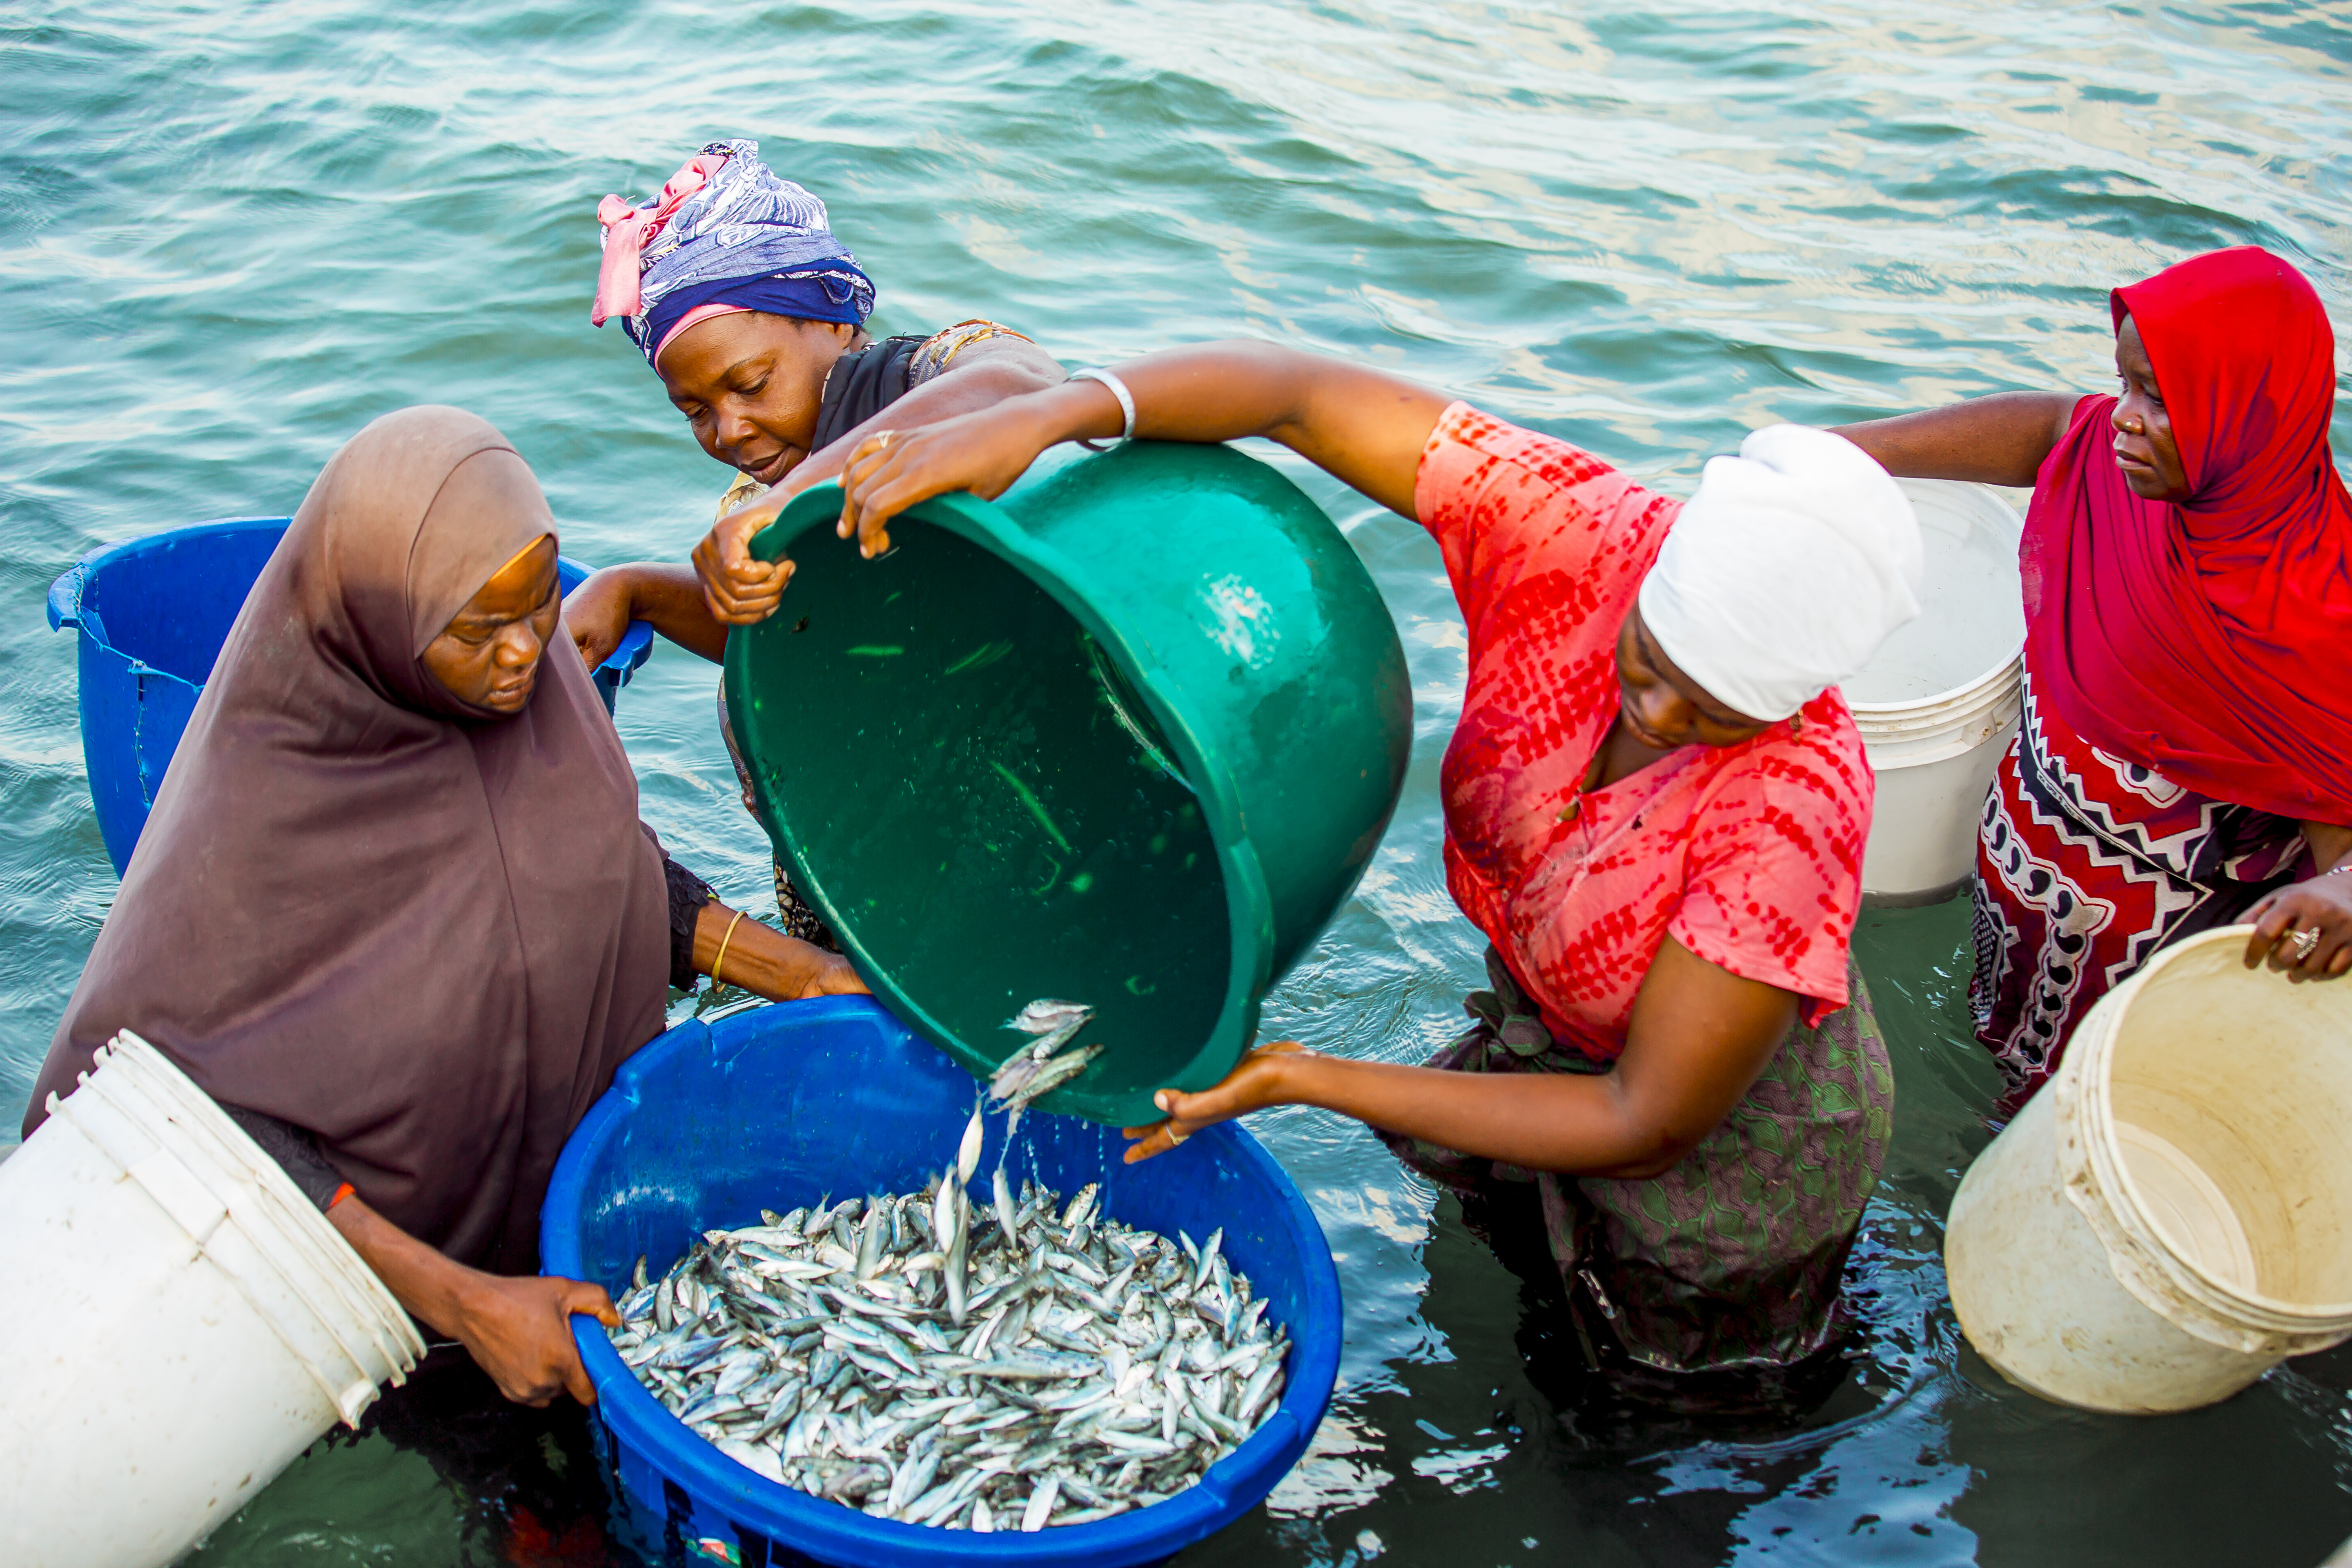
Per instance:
(231,235)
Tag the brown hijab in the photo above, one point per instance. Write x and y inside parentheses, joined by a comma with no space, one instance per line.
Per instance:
(428,935)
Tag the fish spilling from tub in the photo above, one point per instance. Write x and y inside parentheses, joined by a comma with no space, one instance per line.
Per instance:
(1012,1366)
(1036,1070)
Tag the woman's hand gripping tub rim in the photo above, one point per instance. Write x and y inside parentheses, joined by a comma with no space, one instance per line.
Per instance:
(983,452)
(888,471)
(740,590)
(1260,1080)
(2303,931)
(517,1328)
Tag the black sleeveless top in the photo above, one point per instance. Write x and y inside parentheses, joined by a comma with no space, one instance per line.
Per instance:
(862,384)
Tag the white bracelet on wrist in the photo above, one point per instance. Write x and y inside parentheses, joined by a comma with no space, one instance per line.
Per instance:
(1126,406)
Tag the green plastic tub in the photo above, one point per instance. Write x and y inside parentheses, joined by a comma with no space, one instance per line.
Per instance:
(1127,736)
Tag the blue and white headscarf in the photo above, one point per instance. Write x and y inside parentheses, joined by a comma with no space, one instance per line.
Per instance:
(724,235)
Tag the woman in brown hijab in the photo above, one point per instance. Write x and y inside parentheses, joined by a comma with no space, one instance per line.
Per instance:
(393,908)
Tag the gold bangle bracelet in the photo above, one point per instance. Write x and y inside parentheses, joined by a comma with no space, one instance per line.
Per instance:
(723,941)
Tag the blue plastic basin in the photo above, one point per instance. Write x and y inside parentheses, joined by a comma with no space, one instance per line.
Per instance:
(779,1105)
(152,615)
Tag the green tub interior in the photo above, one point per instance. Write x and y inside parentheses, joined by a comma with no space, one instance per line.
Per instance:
(986,809)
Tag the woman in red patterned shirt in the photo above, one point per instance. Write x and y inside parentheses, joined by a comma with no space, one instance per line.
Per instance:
(1655,806)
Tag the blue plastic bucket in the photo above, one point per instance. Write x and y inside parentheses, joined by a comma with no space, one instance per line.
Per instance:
(152,615)
(776,1107)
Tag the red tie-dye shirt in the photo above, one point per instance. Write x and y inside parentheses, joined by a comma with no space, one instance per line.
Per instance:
(1749,856)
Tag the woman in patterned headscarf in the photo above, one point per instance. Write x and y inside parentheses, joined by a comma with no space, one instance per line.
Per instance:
(731,284)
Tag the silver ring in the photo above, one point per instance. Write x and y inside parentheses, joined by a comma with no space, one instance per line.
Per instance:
(2305,941)
(1175,1137)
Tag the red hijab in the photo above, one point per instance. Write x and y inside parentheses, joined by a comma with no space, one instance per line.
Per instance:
(2208,639)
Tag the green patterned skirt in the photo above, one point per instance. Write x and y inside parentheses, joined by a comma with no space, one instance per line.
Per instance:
(1733,1258)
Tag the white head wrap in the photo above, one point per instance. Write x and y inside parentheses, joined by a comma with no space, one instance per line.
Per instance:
(1785,573)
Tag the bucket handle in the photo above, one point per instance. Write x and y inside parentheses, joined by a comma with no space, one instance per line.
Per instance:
(65,596)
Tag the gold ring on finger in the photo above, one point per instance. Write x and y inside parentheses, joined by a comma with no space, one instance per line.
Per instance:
(1175,1137)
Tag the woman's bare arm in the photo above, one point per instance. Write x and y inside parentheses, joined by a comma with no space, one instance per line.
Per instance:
(666,595)
(1996,440)
(981,376)
(1363,426)
(764,961)
(1700,1035)
(516,1329)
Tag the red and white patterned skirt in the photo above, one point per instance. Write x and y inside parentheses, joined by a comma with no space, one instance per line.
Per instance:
(2087,865)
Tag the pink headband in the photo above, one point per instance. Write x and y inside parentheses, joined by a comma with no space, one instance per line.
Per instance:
(699,313)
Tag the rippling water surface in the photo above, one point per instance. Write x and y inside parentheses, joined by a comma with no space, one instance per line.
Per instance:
(230,237)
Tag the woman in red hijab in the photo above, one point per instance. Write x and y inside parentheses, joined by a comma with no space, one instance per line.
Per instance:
(2185,759)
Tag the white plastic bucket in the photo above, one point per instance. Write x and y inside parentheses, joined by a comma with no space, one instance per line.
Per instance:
(191,1322)
(2171,1215)
(1937,704)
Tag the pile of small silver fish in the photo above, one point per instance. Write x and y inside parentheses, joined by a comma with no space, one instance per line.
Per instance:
(1022,1365)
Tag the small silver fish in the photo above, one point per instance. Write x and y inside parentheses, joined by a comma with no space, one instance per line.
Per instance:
(1056,1023)
(1206,1266)
(1050,1074)
(882,1354)
(1001,1192)
(968,1153)
(1041,1505)
(1048,1014)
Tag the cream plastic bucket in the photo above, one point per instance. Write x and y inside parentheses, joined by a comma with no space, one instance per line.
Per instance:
(198,1323)
(1939,704)
(2171,1215)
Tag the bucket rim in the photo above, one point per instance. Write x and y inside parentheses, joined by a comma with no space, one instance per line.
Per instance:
(2010,664)
(2331,1321)
(291,1216)
(285,1237)
(1249,903)
(1984,499)
(64,604)
(1990,726)
(1976,490)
